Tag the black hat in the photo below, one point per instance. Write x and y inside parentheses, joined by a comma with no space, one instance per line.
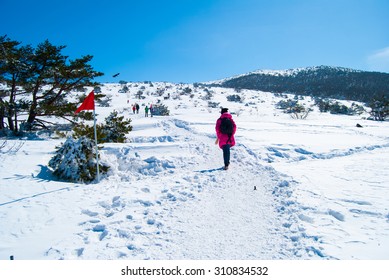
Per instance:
(224,110)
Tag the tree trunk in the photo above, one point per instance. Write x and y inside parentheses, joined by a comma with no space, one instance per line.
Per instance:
(16,121)
(2,115)
(10,122)
(11,108)
(32,114)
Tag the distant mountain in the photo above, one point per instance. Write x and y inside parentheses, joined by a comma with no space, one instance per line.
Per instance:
(320,81)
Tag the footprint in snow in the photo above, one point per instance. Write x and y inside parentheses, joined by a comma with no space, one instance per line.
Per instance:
(337,215)
(79,252)
(89,213)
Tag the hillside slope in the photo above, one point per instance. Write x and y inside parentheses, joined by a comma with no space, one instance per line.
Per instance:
(322,81)
(296,189)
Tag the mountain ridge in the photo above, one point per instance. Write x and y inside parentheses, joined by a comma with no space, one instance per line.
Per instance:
(318,81)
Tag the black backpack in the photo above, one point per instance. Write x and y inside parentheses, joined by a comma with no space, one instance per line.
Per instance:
(226,126)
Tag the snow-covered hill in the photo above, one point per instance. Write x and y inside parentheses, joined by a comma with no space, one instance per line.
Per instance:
(286,73)
(297,189)
(319,81)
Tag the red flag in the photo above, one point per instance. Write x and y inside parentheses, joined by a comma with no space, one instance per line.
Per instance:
(88,104)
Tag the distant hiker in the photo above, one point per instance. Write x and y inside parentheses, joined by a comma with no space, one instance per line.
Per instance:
(137,108)
(225,131)
(133,108)
(151,110)
(146,111)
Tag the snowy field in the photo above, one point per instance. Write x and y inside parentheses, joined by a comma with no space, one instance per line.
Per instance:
(316,188)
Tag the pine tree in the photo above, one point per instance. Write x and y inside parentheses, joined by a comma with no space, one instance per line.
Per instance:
(42,74)
(54,78)
(160,110)
(113,130)
(116,128)
(379,108)
(14,68)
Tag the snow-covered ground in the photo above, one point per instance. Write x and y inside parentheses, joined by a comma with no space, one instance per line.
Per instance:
(316,188)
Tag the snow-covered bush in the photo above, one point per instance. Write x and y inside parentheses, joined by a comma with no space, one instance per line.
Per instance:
(208,95)
(294,108)
(75,161)
(124,89)
(212,104)
(300,112)
(287,105)
(379,108)
(335,107)
(160,110)
(186,91)
(234,98)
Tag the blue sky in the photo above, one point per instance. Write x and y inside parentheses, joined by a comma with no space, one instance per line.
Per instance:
(202,40)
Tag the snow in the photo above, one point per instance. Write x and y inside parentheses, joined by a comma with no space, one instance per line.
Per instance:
(297,189)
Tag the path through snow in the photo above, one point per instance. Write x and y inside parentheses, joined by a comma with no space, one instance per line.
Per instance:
(183,207)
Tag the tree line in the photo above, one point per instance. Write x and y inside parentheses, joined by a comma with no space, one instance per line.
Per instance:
(323,82)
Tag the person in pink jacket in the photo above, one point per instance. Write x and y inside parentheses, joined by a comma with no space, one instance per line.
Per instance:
(225,131)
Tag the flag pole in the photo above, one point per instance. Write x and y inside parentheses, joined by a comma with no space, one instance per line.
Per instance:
(97,149)
(89,104)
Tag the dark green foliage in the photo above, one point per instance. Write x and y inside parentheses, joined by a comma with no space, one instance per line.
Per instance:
(213,104)
(139,94)
(160,110)
(323,81)
(97,89)
(335,107)
(44,76)
(124,89)
(338,108)
(114,129)
(294,108)
(357,109)
(75,161)
(323,104)
(208,95)
(85,115)
(234,98)
(287,105)
(187,90)
(84,130)
(379,108)
(105,101)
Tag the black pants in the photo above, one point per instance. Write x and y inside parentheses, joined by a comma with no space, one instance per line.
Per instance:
(226,154)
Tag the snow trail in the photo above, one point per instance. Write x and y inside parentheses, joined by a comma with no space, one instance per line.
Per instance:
(232,221)
(183,207)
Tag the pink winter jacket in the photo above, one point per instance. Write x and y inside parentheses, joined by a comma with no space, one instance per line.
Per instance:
(223,138)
